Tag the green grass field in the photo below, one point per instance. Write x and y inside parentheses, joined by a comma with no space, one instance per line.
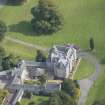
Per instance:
(84,70)
(19,50)
(82,19)
(36,99)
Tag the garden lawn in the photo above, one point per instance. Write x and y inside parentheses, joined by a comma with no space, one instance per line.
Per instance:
(84,70)
(16,49)
(37,99)
(32,82)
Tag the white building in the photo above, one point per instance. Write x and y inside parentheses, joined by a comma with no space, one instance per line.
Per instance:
(62,60)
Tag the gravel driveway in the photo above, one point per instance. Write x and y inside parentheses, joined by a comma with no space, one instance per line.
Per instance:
(86,84)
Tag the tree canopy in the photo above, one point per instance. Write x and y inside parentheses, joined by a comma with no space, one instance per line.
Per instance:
(40,57)
(99,102)
(61,98)
(7,61)
(46,18)
(71,87)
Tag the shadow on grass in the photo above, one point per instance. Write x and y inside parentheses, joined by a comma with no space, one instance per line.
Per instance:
(23,27)
(14,3)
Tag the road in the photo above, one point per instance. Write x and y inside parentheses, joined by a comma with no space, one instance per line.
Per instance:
(86,84)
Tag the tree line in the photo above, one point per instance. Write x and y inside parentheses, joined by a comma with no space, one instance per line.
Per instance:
(7,61)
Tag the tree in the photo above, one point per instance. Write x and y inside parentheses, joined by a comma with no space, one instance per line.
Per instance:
(46,18)
(14,60)
(54,100)
(61,98)
(7,61)
(6,64)
(3,29)
(71,87)
(10,61)
(99,102)
(43,79)
(91,43)
(40,57)
(66,99)
(28,94)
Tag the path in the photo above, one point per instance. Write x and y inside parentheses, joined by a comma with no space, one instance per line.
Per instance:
(86,84)
(34,46)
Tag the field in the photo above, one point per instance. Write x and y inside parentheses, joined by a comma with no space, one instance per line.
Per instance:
(19,50)
(82,19)
(36,99)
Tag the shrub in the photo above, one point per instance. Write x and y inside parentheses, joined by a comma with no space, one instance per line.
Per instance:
(91,43)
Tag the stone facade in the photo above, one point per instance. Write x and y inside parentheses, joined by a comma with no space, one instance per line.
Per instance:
(62,60)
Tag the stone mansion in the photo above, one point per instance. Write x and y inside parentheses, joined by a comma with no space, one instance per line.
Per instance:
(62,59)
(60,62)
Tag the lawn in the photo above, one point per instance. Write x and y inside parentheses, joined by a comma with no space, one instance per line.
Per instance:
(82,19)
(19,50)
(36,99)
(84,70)
(32,82)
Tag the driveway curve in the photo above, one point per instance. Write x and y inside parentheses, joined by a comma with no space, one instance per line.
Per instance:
(86,84)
